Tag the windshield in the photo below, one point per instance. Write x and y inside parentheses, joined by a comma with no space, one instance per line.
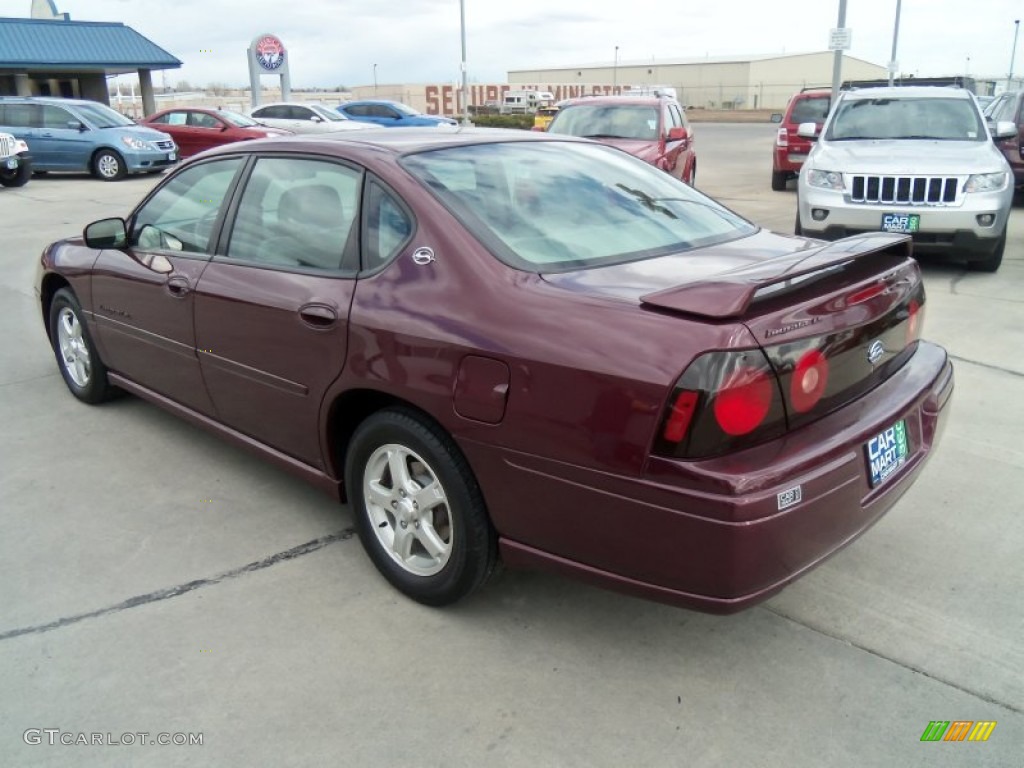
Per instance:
(327,114)
(102,116)
(607,121)
(942,119)
(556,206)
(236,119)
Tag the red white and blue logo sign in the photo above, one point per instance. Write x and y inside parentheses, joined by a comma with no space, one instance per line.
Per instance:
(269,52)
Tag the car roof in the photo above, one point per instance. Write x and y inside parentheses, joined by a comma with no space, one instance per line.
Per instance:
(648,101)
(907,92)
(370,101)
(53,100)
(292,104)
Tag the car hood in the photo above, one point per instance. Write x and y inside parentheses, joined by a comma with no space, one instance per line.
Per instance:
(642,148)
(634,279)
(907,157)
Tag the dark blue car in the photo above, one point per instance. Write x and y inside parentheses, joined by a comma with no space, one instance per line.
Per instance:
(391,114)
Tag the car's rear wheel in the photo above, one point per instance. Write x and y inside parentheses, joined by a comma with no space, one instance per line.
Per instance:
(990,262)
(79,362)
(419,511)
(779,179)
(108,165)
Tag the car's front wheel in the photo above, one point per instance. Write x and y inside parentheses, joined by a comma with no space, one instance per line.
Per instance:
(419,511)
(108,165)
(18,177)
(79,362)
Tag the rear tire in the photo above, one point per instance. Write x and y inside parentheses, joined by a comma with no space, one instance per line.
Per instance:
(419,511)
(990,262)
(779,179)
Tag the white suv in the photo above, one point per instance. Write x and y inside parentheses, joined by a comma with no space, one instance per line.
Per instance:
(916,160)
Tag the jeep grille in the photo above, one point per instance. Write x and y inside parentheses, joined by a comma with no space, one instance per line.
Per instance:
(6,145)
(920,190)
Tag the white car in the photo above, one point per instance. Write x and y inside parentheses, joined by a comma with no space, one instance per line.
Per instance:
(299,117)
(914,160)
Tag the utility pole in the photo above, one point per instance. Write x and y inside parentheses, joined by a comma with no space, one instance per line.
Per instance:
(895,37)
(615,69)
(465,83)
(1013,54)
(374,81)
(837,64)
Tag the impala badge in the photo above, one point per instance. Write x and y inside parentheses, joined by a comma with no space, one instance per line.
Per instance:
(423,256)
(875,351)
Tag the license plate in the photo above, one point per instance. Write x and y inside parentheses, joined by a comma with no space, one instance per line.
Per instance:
(12,163)
(886,452)
(907,223)
(172,156)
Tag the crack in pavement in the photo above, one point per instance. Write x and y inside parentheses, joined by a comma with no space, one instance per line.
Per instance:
(181,589)
(990,366)
(877,654)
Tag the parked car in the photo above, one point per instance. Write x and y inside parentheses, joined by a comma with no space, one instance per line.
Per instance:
(1009,108)
(15,161)
(390,114)
(916,160)
(195,130)
(505,343)
(652,128)
(790,151)
(304,118)
(77,135)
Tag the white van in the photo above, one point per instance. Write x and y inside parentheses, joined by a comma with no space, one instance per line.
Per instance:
(522,102)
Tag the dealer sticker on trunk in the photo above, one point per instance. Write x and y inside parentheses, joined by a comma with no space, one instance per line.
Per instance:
(887,452)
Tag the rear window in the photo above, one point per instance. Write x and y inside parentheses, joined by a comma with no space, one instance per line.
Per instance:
(813,109)
(556,206)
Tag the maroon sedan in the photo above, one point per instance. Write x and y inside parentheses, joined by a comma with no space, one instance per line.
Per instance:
(196,130)
(521,345)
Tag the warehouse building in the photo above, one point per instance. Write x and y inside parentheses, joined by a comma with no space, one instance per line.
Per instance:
(725,82)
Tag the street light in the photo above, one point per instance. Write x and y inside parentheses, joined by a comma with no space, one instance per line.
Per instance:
(1013,53)
(375,80)
(895,37)
(615,68)
(465,84)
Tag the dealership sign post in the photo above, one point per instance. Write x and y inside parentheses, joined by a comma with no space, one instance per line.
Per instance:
(267,56)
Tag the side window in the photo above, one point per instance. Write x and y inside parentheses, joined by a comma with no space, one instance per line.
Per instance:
(381,110)
(56,117)
(297,213)
(181,215)
(176,118)
(271,113)
(300,113)
(388,227)
(676,117)
(22,116)
(358,110)
(202,120)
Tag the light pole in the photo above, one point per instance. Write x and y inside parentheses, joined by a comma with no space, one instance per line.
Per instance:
(375,80)
(465,84)
(615,69)
(895,37)
(837,62)
(1013,53)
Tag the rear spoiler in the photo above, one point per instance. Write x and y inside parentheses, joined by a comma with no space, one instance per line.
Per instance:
(731,293)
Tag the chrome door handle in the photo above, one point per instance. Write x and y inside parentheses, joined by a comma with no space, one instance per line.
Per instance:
(178,287)
(318,315)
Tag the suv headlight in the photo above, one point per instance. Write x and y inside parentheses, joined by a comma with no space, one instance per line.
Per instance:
(825,179)
(134,143)
(986,182)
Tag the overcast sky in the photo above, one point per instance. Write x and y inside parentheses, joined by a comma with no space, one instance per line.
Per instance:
(335,42)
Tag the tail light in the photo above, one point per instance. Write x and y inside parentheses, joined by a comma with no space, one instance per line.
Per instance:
(914,320)
(782,138)
(722,402)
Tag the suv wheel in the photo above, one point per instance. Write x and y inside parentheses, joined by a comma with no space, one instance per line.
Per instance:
(779,179)
(990,262)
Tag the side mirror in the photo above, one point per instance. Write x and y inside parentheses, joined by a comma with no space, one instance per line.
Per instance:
(776,117)
(76,125)
(106,233)
(316,119)
(223,128)
(807,130)
(676,133)
(1004,129)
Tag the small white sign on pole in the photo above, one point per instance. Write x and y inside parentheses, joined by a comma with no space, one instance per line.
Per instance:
(840,39)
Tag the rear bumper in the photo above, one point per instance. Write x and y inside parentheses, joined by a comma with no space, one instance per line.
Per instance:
(709,535)
(789,161)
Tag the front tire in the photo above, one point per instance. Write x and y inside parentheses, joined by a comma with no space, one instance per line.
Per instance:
(990,262)
(18,177)
(108,165)
(77,358)
(419,511)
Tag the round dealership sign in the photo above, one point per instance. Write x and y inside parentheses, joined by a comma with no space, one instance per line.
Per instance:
(269,52)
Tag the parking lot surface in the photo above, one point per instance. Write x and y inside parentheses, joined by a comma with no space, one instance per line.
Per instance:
(156,580)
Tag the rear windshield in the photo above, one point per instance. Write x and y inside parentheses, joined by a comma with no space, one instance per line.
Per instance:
(906,118)
(556,206)
(607,121)
(811,110)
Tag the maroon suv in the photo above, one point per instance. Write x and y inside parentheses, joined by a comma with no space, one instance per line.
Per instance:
(809,106)
(1009,107)
(653,128)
